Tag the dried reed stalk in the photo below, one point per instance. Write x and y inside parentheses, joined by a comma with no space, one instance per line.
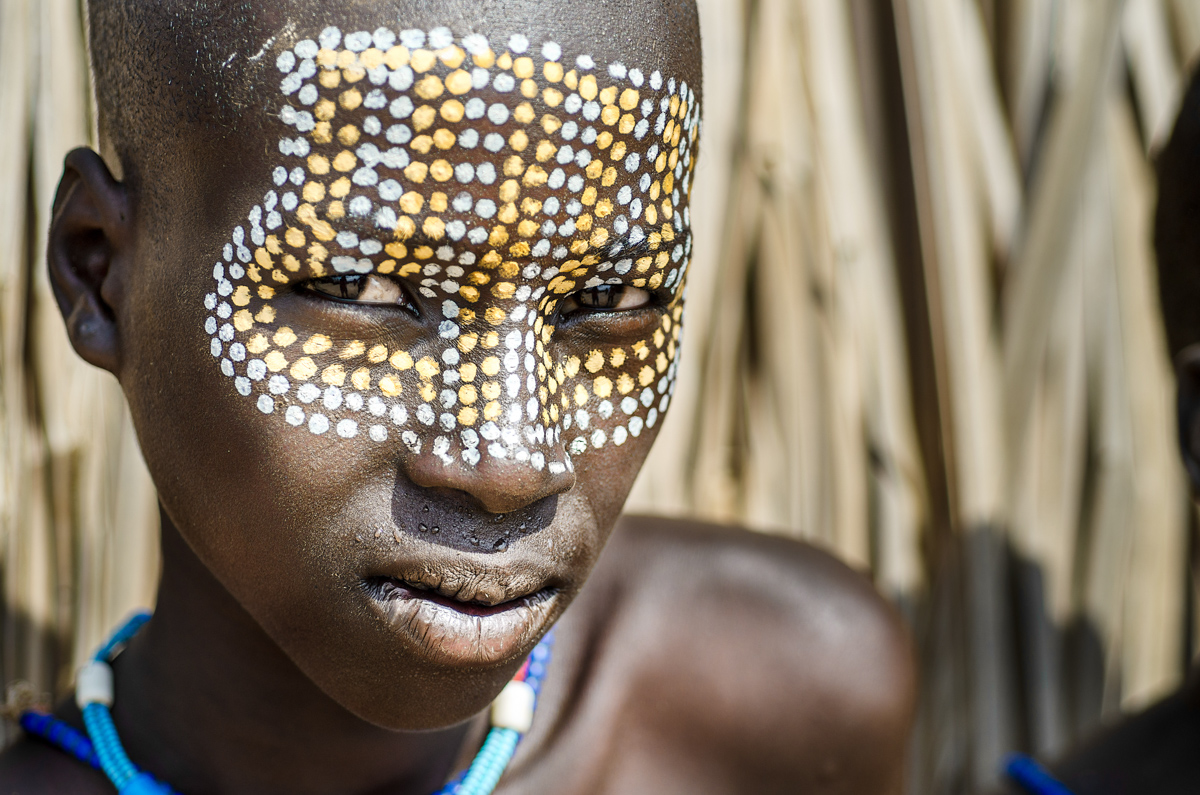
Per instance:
(78,527)
(1031,523)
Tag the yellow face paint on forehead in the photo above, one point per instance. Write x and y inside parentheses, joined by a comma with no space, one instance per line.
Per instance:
(496,182)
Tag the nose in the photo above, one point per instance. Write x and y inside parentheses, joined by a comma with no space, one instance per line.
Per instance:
(483,508)
(486,426)
(498,485)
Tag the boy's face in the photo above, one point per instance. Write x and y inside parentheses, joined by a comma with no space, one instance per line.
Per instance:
(397,370)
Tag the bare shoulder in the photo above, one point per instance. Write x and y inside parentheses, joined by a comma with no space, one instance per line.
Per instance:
(31,767)
(771,648)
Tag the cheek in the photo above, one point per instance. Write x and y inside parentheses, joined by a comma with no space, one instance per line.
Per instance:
(606,475)
(228,474)
(614,393)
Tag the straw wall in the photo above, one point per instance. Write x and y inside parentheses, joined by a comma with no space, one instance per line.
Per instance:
(923,335)
(78,524)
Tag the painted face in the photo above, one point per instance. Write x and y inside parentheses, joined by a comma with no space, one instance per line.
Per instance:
(441,282)
(513,189)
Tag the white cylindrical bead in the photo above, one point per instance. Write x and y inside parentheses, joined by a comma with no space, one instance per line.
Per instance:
(94,685)
(513,708)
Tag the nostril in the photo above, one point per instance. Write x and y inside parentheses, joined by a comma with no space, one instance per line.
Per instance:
(498,486)
(460,518)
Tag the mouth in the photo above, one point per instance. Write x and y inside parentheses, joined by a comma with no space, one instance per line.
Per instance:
(387,589)
(463,626)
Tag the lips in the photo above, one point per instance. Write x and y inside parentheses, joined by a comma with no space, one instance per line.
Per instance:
(389,588)
(461,612)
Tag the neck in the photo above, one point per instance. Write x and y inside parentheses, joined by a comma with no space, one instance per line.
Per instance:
(208,702)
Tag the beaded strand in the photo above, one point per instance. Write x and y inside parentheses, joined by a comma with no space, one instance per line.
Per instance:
(501,742)
(511,717)
(63,735)
(1032,777)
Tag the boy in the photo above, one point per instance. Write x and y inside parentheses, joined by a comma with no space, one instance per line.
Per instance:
(394,291)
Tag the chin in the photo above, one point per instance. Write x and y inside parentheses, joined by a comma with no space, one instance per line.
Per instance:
(408,659)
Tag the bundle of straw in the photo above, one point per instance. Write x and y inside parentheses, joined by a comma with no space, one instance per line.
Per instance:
(78,523)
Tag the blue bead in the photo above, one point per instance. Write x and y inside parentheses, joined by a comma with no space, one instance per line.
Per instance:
(105,750)
(1032,777)
(61,734)
(123,635)
(144,784)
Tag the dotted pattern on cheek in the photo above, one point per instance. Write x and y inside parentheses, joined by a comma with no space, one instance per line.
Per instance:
(374,183)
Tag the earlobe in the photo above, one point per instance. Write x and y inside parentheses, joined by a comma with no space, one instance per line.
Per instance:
(87,247)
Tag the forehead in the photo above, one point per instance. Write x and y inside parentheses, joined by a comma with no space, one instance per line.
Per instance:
(505,153)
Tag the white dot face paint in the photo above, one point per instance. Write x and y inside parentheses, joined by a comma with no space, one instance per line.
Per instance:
(496,182)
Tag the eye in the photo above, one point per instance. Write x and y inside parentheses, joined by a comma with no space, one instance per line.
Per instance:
(606,298)
(357,288)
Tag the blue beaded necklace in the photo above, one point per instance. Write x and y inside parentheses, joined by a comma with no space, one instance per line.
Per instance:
(1032,777)
(511,717)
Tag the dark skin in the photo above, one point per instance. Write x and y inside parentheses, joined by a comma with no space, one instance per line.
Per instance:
(669,675)
(697,659)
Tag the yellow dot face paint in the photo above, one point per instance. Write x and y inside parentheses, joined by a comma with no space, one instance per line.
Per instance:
(495,182)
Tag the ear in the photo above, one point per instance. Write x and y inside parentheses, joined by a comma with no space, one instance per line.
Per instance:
(89,241)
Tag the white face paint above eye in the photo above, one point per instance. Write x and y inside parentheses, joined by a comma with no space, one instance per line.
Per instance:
(379,149)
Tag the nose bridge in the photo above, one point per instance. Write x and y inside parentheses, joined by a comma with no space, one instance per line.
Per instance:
(498,378)
(489,431)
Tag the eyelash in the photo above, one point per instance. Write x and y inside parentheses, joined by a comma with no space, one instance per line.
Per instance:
(404,299)
(607,297)
(607,319)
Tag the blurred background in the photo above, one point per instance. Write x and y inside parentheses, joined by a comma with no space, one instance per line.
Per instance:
(923,334)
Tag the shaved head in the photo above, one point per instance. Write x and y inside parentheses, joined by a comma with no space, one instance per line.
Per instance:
(162,69)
